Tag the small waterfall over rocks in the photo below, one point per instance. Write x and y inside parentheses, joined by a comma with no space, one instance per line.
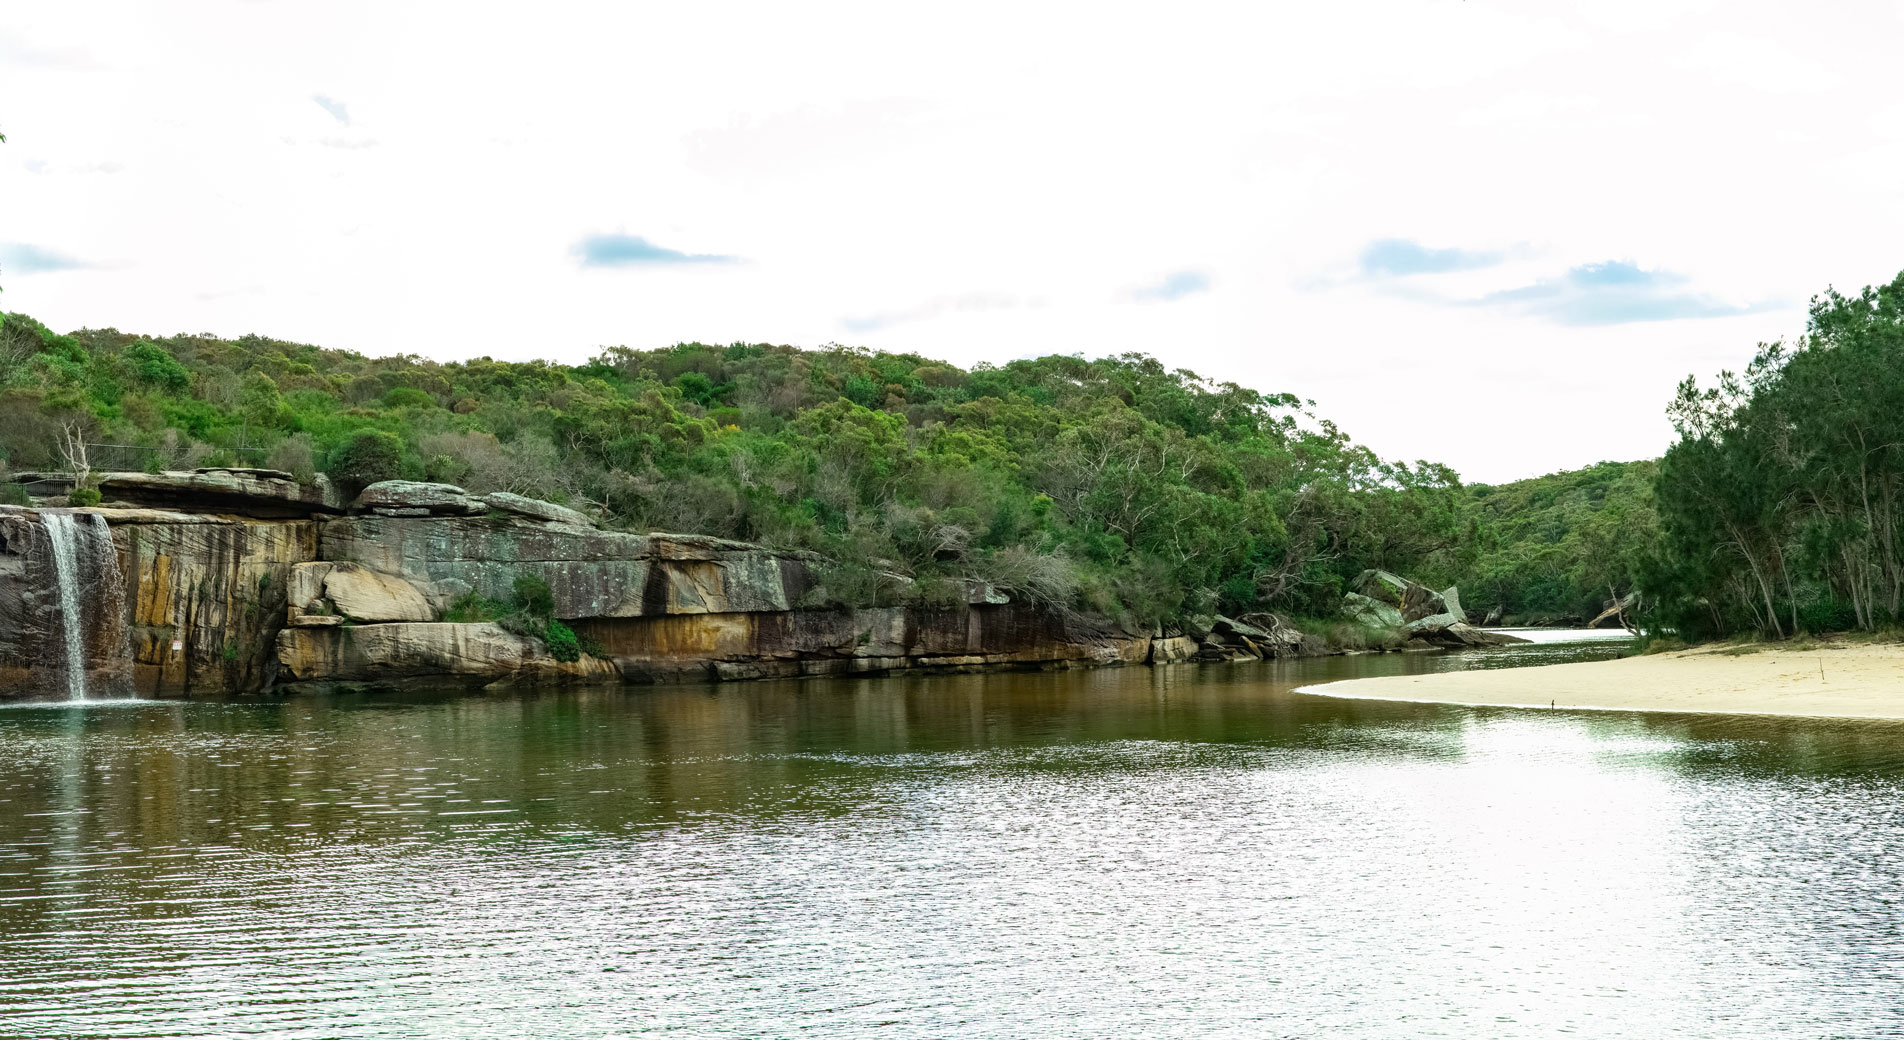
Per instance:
(60,528)
(92,634)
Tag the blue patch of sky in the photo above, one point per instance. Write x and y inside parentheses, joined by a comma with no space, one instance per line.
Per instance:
(1174,286)
(635,251)
(338,110)
(1398,257)
(1614,292)
(22,258)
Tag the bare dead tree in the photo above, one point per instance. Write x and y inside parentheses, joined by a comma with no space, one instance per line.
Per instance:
(72,449)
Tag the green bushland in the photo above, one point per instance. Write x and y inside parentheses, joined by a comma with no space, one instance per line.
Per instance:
(1116,486)
(1561,544)
(1781,506)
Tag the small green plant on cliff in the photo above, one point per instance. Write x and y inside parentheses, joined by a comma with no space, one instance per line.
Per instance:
(534,597)
(83,497)
(534,615)
(474,607)
(563,646)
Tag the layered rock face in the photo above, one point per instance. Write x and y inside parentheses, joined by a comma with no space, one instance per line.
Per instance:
(206,596)
(267,583)
(62,617)
(478,653)
(657,607)
(593,574)
(762,644)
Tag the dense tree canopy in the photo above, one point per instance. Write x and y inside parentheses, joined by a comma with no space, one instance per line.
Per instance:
(1114,485)
(1782,501)
(1561,545)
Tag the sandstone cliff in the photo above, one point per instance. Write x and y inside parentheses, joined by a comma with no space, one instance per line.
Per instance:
(245,580)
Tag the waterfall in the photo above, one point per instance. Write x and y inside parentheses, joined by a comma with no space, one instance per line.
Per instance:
(84,558)
(60,531)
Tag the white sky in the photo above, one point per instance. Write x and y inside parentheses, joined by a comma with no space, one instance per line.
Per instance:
(1375,206)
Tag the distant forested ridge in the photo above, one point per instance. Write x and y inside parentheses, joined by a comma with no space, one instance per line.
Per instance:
(1116,486)
(1561,545)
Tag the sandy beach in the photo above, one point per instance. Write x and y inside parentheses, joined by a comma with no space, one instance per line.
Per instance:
(1845,681)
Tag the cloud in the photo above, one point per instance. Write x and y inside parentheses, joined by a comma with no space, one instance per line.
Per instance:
(1174,286)
(338,110)
(932,309)
(634,251)
(22,258)
(15,51)
(1399,257)
(1613,292)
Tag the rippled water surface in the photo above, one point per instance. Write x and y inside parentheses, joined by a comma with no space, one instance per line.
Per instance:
(1135,852)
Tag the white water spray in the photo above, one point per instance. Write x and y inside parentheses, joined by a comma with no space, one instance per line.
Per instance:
(62,533)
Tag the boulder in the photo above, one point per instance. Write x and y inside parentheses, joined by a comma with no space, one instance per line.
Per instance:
(480,652)
(1451,598)
(1381,585)
(1415,600)
(258,493)
(362,594)
(979,593)
(1371,612)
(1431,623)
(436,499)
(305,588)
(1231,630)
(1197,626)
(1173,648)
(535,509)
(1280,638)
(1420,601)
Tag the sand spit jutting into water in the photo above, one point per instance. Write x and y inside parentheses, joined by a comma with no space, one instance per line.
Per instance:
(1849,681)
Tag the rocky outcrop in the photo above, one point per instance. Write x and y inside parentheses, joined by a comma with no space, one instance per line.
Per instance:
(478,653)
(1384,599)
(765,644)
(325,593)
(1254,637)
(503,501)
(1373,613)
(1171,649)
(206,596)
(593,574)
(47,629)
(415,498)
(257,581)
(259,493)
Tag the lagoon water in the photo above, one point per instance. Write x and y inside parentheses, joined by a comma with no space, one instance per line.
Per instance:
(1132,852)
